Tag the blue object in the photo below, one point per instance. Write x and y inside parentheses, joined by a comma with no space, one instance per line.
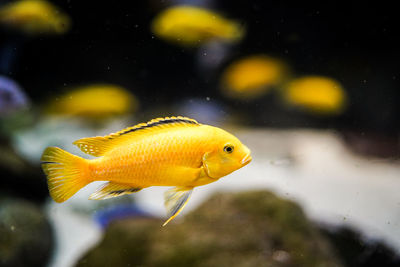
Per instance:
(107,215)
(204,110)
(12,96)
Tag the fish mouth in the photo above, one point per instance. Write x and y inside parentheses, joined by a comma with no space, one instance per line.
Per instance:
(246,160)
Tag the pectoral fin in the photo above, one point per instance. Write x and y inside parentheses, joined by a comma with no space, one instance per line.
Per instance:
(111,189)
(211,164)
(175,199)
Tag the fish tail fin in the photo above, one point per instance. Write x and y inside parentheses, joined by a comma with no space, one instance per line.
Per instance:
(66,173)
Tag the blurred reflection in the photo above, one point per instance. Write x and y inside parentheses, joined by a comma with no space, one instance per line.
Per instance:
(34,17)
(253,76)
(193,26)
(317,95)
(97,101)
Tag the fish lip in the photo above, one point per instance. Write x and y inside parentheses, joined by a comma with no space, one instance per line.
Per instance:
(246,160)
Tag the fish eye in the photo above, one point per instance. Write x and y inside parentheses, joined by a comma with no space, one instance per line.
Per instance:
(228,148)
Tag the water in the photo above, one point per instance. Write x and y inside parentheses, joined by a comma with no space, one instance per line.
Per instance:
(336,160)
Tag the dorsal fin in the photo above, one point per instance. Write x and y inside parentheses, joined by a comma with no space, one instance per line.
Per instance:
(99,145)
(167,121)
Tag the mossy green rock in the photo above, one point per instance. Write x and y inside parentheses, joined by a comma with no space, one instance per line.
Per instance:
(26,238)
(243,229)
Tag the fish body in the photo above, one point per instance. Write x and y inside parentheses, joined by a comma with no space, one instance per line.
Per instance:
(192,26)
(171,157)
(175,151)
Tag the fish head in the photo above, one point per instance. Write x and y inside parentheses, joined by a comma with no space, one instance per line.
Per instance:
(227,155)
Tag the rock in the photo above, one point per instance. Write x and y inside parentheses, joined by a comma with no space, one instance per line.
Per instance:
(25,234)
(355,250)
(243,229)
(21,178)
(373,144)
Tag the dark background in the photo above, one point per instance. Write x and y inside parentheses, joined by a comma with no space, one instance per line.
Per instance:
(355,43)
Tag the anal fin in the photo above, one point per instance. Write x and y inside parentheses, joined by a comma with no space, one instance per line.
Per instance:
(111,189)
(175,200)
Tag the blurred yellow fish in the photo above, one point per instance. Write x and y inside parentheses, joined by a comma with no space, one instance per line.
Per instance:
(171,151)
(316,94)
(253,76)
(191,26)
(34,17)
(94,101)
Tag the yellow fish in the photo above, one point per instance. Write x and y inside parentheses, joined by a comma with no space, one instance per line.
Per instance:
(191,26)
(253,76)
(171,151)
(316,94)
(34,16)
(94,101)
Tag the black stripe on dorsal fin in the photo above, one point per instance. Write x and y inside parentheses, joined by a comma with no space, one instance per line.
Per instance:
(99,145)
(154,123)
